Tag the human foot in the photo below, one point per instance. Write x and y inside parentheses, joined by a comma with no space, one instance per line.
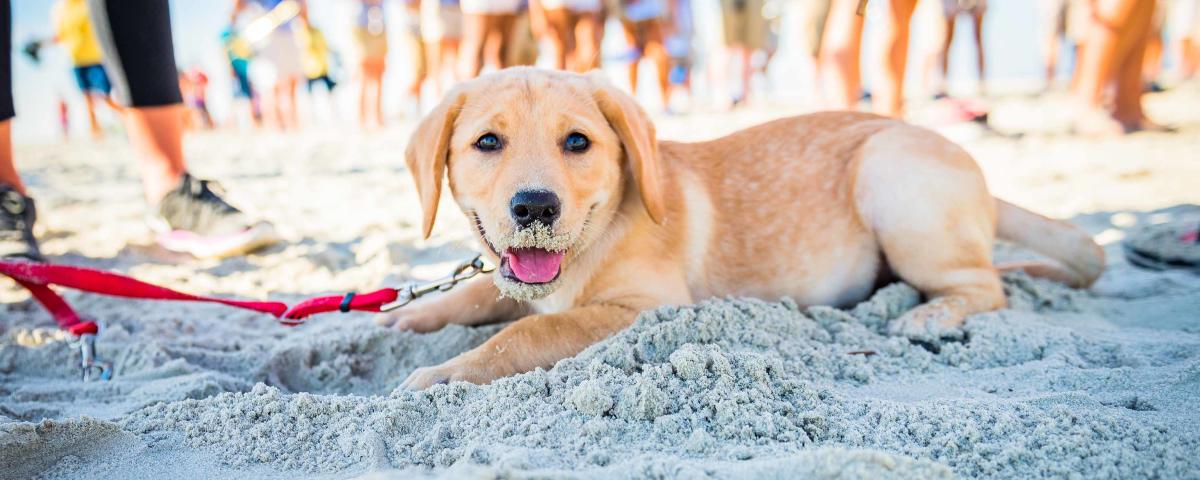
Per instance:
(17,216)
(195,219)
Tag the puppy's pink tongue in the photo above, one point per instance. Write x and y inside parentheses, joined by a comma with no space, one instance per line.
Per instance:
(534,265)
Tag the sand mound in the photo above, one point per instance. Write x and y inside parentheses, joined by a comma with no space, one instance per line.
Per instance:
(734,388)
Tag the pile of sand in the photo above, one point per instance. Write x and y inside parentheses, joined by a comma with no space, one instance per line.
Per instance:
(734,388)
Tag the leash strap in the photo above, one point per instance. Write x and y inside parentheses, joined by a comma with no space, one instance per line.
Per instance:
(37,278)
(361,302)
(386,299)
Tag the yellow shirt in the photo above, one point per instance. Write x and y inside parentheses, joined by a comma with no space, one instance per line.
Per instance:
(314,51)
(73,30)
(238,47)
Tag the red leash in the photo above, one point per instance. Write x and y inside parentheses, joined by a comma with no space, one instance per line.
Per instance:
(386,299)
(366,302)
(37,278)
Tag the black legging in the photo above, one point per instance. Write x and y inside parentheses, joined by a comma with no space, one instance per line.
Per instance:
(139,57)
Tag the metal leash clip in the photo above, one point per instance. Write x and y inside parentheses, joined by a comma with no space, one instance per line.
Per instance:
(464,271)
(92,366)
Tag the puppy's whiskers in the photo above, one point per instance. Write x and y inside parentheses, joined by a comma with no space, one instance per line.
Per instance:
(483,232)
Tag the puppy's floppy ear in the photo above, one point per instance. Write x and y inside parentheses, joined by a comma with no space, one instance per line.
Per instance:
(636,132)
(427,152)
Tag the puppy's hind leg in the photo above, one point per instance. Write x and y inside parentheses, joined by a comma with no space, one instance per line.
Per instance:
(935,223)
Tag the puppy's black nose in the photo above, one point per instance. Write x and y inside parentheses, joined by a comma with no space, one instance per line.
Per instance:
(528,206)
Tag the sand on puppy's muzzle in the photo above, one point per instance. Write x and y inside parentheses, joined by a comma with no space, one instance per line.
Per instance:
(533,255)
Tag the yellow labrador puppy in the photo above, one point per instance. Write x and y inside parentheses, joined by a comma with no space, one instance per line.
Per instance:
(592,219)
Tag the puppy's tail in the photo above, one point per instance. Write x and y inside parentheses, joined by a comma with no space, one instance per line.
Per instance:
(1059,240)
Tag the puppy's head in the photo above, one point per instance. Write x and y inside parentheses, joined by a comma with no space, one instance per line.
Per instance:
(539,162)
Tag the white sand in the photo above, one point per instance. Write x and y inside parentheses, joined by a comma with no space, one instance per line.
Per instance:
(1097,384)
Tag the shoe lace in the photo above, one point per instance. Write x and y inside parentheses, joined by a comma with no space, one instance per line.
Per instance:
(197,205)
(12,215)
(210,193)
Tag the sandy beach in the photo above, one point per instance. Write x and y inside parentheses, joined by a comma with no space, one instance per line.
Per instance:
(1064,383)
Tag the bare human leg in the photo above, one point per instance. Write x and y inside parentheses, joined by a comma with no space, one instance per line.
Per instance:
(944,57)
(631,37)
(889,93)
(89,100)
(8,168)
(558,32)
(156,133)
(499,36)
(1131,80)
(587,42)
(980,59)
(655,49)
(1110,44)
(471,49)
(838,58)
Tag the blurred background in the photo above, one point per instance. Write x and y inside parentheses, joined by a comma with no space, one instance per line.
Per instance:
(1014,34)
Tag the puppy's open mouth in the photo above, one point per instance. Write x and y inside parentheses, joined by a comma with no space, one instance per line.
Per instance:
(531,259)
(531,265)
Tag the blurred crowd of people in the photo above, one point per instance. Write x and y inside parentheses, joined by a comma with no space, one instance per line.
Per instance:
(444,41)
(274,48)
(1118,46)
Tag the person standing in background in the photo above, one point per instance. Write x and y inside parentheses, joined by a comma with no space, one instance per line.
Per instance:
(951,10)
(841,47)
(1114,53)
(73,30)
(573,28)
(1184,30)
(414,49)
(315,59)
(838,57)
(314,56)
(196,99)
(238,51)
(1153,63)
(813,17)
(888,97)
(745,31)
(277,62)
(680,31)
(370,38)
(64,118)
(1052,16)
(441,31)
(487,32)
(643,25)
(190,214)
(523,49)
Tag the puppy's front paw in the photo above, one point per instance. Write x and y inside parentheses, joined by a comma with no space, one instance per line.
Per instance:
(417,318)
(454,370)
(932,322)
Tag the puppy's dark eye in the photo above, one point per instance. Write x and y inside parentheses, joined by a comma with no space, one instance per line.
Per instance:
(576,143)
(489,142)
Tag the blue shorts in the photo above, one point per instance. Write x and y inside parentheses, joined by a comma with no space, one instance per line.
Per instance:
(241,80)
(322,80)
(93,79)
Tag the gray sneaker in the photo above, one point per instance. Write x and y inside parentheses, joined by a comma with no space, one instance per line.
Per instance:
(17,215)
(195,219)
